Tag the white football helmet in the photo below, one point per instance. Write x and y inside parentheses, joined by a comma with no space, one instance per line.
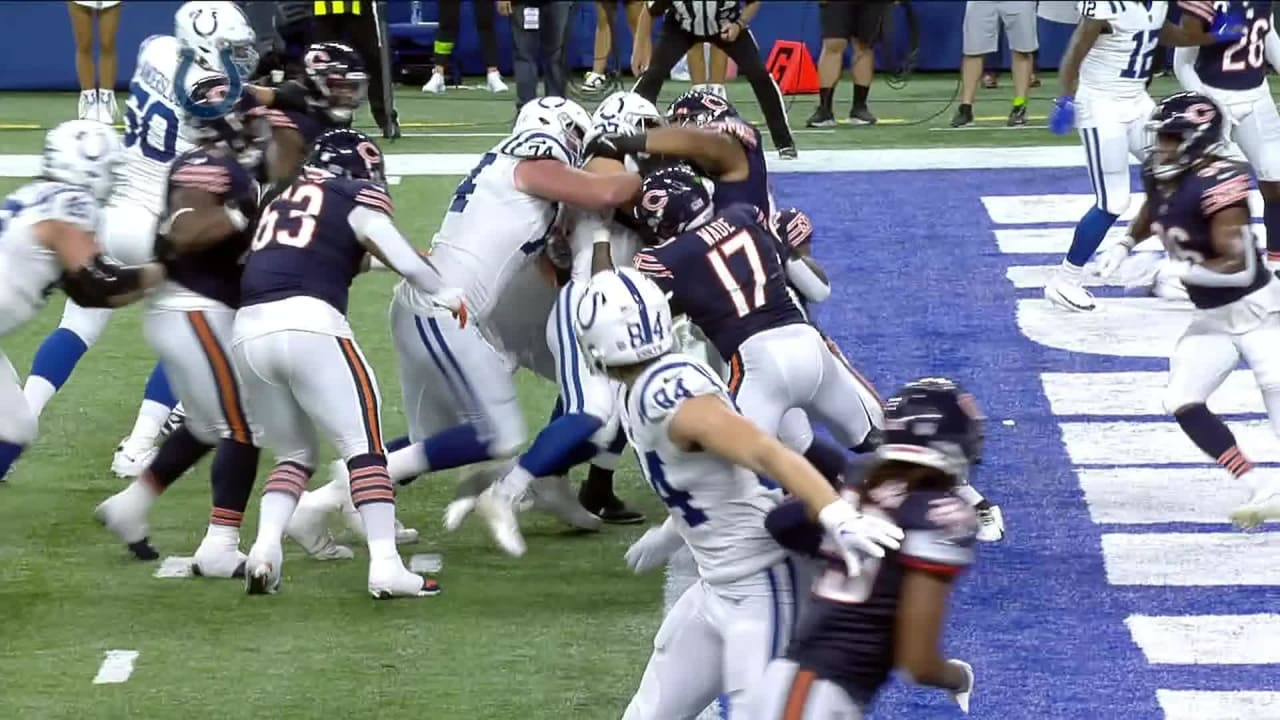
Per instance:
(560,116)
(624,113)
(207,27)
(622,319)
(84,153)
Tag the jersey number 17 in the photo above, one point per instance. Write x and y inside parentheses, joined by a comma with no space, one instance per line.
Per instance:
(744,285)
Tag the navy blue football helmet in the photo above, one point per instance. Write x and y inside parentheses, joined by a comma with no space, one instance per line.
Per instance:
(673,200)
(336,79)
(242,131)
(699,107)
(348,153)
(1183,130)
(933,422)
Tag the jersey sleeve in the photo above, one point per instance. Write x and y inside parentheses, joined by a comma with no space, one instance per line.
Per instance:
(366,194)
(654,269)
(1202,9)
(217,176)
(662,391)
(1100,9)
(741,131)
(933,541)
(1226,185)
(71,205)
(536,145)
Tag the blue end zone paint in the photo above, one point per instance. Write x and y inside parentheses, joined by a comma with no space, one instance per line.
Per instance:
(924,292)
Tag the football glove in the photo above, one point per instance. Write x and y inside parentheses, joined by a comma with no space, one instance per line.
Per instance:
(1110,260)
(857,534)
(1228,27)
(654,548)
(1063,115)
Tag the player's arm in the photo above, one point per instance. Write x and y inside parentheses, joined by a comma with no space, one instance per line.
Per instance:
(289,95)
(719,153)
(286,153)
(201,220)
(383,240)
(922,613)
(1232,242)
(1184,68)
(553,180)
(1271,48)
(1082,41)
(790,525)
(706,422)
(88,278)
(807,276)
(601,247)
(1196,28)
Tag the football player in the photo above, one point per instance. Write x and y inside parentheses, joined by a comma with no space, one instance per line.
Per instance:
(891,614)
(1104,77)
(1197,203)
(722,268)
(297,357)
(705,462)
(1235,75)
(47,240)
(155,134)
(212,198)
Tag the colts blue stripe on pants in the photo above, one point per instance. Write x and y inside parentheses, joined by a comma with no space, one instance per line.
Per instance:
(570,377)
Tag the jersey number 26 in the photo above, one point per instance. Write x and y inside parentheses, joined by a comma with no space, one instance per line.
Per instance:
(291,218)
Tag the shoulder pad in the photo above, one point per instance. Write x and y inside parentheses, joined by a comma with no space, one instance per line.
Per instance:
(367,194)
(71,205)
(536,145)
(739,129)
(142,47)
(1223,185)
(1100,9)
(675,379)
(940,530)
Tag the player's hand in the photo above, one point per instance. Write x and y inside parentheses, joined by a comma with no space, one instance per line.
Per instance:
(653,549)
(1228,27)
(731,32)
(857,534)
(1063,115)
(504,8)
(451,299)
(606,145)
(291,95)
(1110,260)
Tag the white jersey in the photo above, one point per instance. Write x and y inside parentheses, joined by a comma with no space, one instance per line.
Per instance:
(1119,63)
(492,230)
(719,508)
(28,270)
(623,245)
(155,132)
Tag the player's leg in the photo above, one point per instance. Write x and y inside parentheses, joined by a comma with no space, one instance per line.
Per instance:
(756,620)
(263,366)
(757,381)
(597,494)
(1106,148)
(1258,135)
(339,392)
(683,674)
(790,692)
(1258,347)
(18,424)
(1200,362)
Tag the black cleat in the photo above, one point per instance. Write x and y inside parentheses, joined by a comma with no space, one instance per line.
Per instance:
(861,116)
(612,511)
(963,117)
(1018,116)
(821,118)
(143,550)
(788,152)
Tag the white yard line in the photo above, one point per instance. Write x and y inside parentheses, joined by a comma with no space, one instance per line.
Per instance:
(116,667)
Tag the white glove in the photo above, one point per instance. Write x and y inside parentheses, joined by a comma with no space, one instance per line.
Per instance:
(451,299)
(1110,260)
(1175,269)
(856,533)
(654,548)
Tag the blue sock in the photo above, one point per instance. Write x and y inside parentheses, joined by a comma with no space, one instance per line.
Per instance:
(9,453)
(1090,231)
(158,389)
(1271,219)
(398,444)
(57,357)
(560,444)
(455,447)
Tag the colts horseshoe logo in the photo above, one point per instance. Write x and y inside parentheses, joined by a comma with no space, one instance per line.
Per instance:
(213,23)
(207,112)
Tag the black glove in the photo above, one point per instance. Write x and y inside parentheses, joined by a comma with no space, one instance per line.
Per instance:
(615,146)
(291,95)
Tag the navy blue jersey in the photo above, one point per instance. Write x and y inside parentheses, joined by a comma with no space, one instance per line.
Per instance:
(1181,213)
(726,276)
(848,635)
(754,190)
(1240,64)
(310,125)
(214,272)
(304,244)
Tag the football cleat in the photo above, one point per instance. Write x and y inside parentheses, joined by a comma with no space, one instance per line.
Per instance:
(435,85)
(499,512)
(215,560)
(125,515)
(391,580)
(469,488)
(309,527)
(961,697)
(262,570)
(1262,506)
(493,82)
(130,460)
(1069,296)
(553,495)
(990,524)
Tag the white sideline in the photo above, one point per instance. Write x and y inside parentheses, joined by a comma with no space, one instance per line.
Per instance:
(116,667)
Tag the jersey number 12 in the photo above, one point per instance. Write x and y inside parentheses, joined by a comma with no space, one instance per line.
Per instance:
(746,296)
(1144,50)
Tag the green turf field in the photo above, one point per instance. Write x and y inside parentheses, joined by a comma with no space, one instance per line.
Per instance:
(561,634)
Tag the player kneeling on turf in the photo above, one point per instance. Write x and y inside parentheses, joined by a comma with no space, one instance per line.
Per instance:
(705,461)
(890,614)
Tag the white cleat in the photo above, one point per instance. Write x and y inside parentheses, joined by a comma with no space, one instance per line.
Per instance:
(1264,505)
(262,570)
(404,535)
(214,560)
(493,82)
(553,495)
(1069,296)
(499,513)
(435,85)
(990,524)
(962,697)
(469,488)
(130,460)
(125,515)
(391,580)
(309,527)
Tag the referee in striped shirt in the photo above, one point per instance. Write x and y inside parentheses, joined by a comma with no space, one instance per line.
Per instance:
(724,24)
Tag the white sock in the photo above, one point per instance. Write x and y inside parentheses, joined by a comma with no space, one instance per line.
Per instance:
(515,483)
(1070,272)
(222,535)
(380,529)
(407,462)
(141,492)
(276,509)
(38,392)
(969,494)
(151,417)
